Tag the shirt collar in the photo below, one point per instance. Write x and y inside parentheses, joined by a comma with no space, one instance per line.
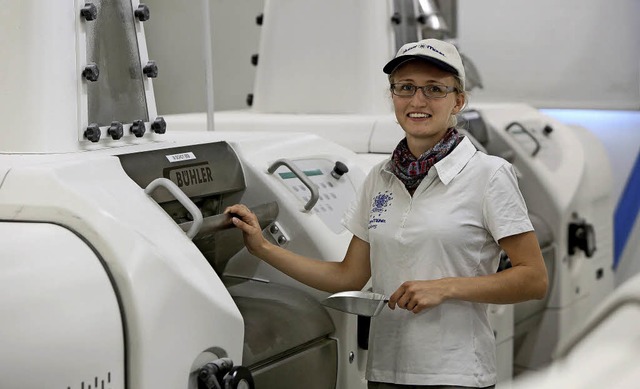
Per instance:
(452,164)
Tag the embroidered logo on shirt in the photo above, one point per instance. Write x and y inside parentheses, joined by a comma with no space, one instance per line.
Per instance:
(380,203)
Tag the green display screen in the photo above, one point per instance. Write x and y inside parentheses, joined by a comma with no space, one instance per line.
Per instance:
(308,173)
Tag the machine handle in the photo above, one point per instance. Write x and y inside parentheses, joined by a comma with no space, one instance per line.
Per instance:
(315,193)
(265,213)
(516,124)
(182,198)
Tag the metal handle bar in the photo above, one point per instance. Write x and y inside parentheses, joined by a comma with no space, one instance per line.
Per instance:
(315,193)
(182,198)
(265,213)
(516,124)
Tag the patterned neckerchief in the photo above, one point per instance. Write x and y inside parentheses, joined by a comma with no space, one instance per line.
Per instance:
(411,170)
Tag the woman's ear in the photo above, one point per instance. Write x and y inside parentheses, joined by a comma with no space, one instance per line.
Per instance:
(460,100)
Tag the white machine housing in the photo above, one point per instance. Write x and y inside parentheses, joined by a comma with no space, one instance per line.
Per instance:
(110,265)
(101,286)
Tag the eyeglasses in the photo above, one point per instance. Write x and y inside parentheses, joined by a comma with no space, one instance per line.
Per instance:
(431,91)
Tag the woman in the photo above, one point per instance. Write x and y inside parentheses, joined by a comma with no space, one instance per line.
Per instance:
(428,229)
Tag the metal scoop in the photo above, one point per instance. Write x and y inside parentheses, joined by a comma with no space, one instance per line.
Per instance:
(357,302)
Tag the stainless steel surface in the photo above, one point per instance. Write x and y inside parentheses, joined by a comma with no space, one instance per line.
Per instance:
(266,214)
(404,22)
(315,367)
(211,175)
(433,23)
(357,302)
(119,91)
(219,242)
(203,172)
(448,10)
(278,320)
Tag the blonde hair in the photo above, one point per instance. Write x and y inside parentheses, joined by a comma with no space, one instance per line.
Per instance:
(453,120)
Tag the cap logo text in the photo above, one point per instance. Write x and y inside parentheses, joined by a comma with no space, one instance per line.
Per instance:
(423,46)
(410,48)
(434,49)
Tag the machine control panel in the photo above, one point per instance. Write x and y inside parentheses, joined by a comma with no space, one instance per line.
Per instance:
(335,191)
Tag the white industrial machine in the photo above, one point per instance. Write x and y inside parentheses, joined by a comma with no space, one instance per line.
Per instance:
(119,268)
(603,353)
(328,81)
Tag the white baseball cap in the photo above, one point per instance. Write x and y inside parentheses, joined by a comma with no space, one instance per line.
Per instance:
(442,54)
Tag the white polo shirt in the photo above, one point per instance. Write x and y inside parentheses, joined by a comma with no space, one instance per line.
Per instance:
(449,228)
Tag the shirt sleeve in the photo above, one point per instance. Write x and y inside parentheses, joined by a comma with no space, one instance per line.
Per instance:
(356,218)
(504,209)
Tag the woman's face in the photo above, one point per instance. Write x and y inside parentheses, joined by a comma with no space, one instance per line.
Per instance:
(424,120)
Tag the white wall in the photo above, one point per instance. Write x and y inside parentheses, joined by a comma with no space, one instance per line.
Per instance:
(555,54)
(581,54)
(235,39)
(547,53)
(175,39)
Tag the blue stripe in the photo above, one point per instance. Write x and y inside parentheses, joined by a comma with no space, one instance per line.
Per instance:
(626,212)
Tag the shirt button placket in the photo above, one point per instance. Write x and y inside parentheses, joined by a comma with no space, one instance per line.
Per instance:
(405,214)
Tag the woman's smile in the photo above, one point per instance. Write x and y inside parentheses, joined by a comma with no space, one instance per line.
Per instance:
(418,115)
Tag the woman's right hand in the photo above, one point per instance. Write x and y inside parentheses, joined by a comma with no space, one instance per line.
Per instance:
(245,220)
(351,273)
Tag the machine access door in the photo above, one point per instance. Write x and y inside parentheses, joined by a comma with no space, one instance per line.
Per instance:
(61,323)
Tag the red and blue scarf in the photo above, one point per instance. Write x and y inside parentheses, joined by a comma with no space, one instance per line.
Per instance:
(411,170)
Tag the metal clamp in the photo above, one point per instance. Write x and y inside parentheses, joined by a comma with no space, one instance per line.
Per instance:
(315,192)
(182,199)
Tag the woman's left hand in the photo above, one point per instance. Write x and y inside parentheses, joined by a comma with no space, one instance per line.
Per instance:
(416,296)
